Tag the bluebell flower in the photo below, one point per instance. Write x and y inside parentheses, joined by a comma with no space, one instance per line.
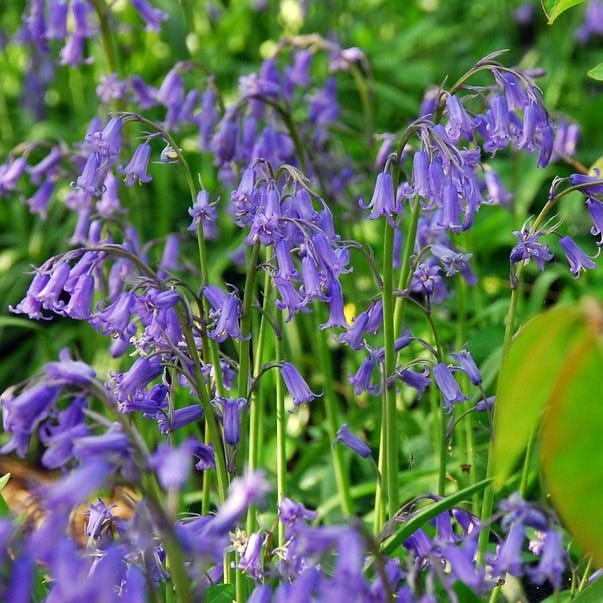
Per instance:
(296,385)
(204,215)
(578,260)
(90,179)
(39,201)
(361,380)
(552,563)
(425,279)
(136,170)
(346,437)
(66,371)
(100,519)
(595,209)
(383,202)
(23,412)
(152,16)
(172,464)
(251,559)
(179,418)
(529,248)
(448,386)
(468,366)
(231,417)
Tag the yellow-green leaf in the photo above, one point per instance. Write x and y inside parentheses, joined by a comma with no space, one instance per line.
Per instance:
(571,452)
(553,8)
(596,72)
(526,381)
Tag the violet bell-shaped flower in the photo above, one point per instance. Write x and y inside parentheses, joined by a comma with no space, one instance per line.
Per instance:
(136,170)
(448,386)
(296,385)
(578,260)
(346,437)
(383,201)
(529,248)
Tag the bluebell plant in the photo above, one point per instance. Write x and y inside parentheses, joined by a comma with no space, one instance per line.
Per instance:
(178,412)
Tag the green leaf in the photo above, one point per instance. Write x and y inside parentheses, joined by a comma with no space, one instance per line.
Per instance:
(571,453)
(220,593)
(424,515)
(526,381)
(592,594)
(596,72)
(4,509)
(553,8)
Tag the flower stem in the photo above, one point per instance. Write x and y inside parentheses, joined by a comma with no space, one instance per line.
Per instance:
(389,425)
(329,397)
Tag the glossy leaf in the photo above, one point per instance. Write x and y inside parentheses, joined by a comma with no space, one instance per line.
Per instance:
(572,457)
(527,379)
(596,72)
(553,8)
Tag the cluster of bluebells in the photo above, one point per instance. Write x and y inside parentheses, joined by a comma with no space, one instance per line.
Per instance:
(283,177)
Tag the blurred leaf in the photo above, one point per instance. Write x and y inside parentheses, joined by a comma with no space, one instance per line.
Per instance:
(527,378)
(553,8)
(596,72)
(420,518)
(4,509)
(572,458)
(591,594)
(220,593)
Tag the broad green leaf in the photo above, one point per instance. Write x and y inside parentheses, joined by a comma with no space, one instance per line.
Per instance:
(596,72)
(220,593)
(571,453)
(591,594)
(553,8)
(420,518)
(4,509)
(526,380)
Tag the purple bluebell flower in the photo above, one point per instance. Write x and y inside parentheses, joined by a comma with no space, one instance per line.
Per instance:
(346,437)
(298,388)
(578,260)
(72,53)
(204,215)
(242,492)
(10,173)
(227,324)
(112,444)
(595,209)
(383,201)
(111,88)
(592,24)
(139,375)
(136,170)
(354,336)
(90,178)
(23,412)
(529,248)
(153,17)
(468,366)
(361,380)
(425,279)
(38,202)
(566,139)
(448,386)
(100,519)
(251,559)
(508,554)
(66,371)
(231,417)
(459,123)
(415,379)
(454,262)
(77,485)
(172,464)
(497,194)
(60,436)
(179,418)
(204,453)
(553,561)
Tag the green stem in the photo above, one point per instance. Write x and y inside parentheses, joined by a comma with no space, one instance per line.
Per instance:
(245,343)
(281,439)
(329,398)
(107,41)
(389,424)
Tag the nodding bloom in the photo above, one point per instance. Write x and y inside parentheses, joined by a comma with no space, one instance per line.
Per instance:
(345,436)
(298,388)
(172,464)
(529,248)
(153,17)
(231,418)
(468,366)
(383,201)
(448,386)
(179,418)
(136,170)
(578,260)
(595,208)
